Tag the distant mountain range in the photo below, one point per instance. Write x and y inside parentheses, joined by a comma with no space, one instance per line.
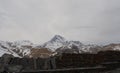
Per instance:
(57,44)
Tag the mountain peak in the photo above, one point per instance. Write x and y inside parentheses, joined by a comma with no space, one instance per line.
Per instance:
(56,42)
(58,38)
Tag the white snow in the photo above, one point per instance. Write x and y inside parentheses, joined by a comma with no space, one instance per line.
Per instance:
(15,48)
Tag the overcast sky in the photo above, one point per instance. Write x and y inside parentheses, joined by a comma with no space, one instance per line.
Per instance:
(89,21)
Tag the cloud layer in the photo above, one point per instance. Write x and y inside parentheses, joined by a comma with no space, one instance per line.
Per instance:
(95,21)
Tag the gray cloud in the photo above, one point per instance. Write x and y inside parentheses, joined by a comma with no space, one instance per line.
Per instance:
(96,21)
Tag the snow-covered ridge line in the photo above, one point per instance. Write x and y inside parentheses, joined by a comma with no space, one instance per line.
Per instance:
(17,48)
(56,44)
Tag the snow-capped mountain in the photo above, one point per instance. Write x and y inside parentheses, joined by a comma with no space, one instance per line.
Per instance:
(60,44)
(57,44)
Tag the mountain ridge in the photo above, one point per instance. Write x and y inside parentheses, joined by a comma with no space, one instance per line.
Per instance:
(57,44)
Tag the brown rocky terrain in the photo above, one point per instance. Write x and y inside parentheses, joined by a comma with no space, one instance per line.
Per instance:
(42,53)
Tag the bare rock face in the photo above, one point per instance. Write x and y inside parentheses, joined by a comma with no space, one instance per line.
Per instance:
(41,53)
(6,58)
